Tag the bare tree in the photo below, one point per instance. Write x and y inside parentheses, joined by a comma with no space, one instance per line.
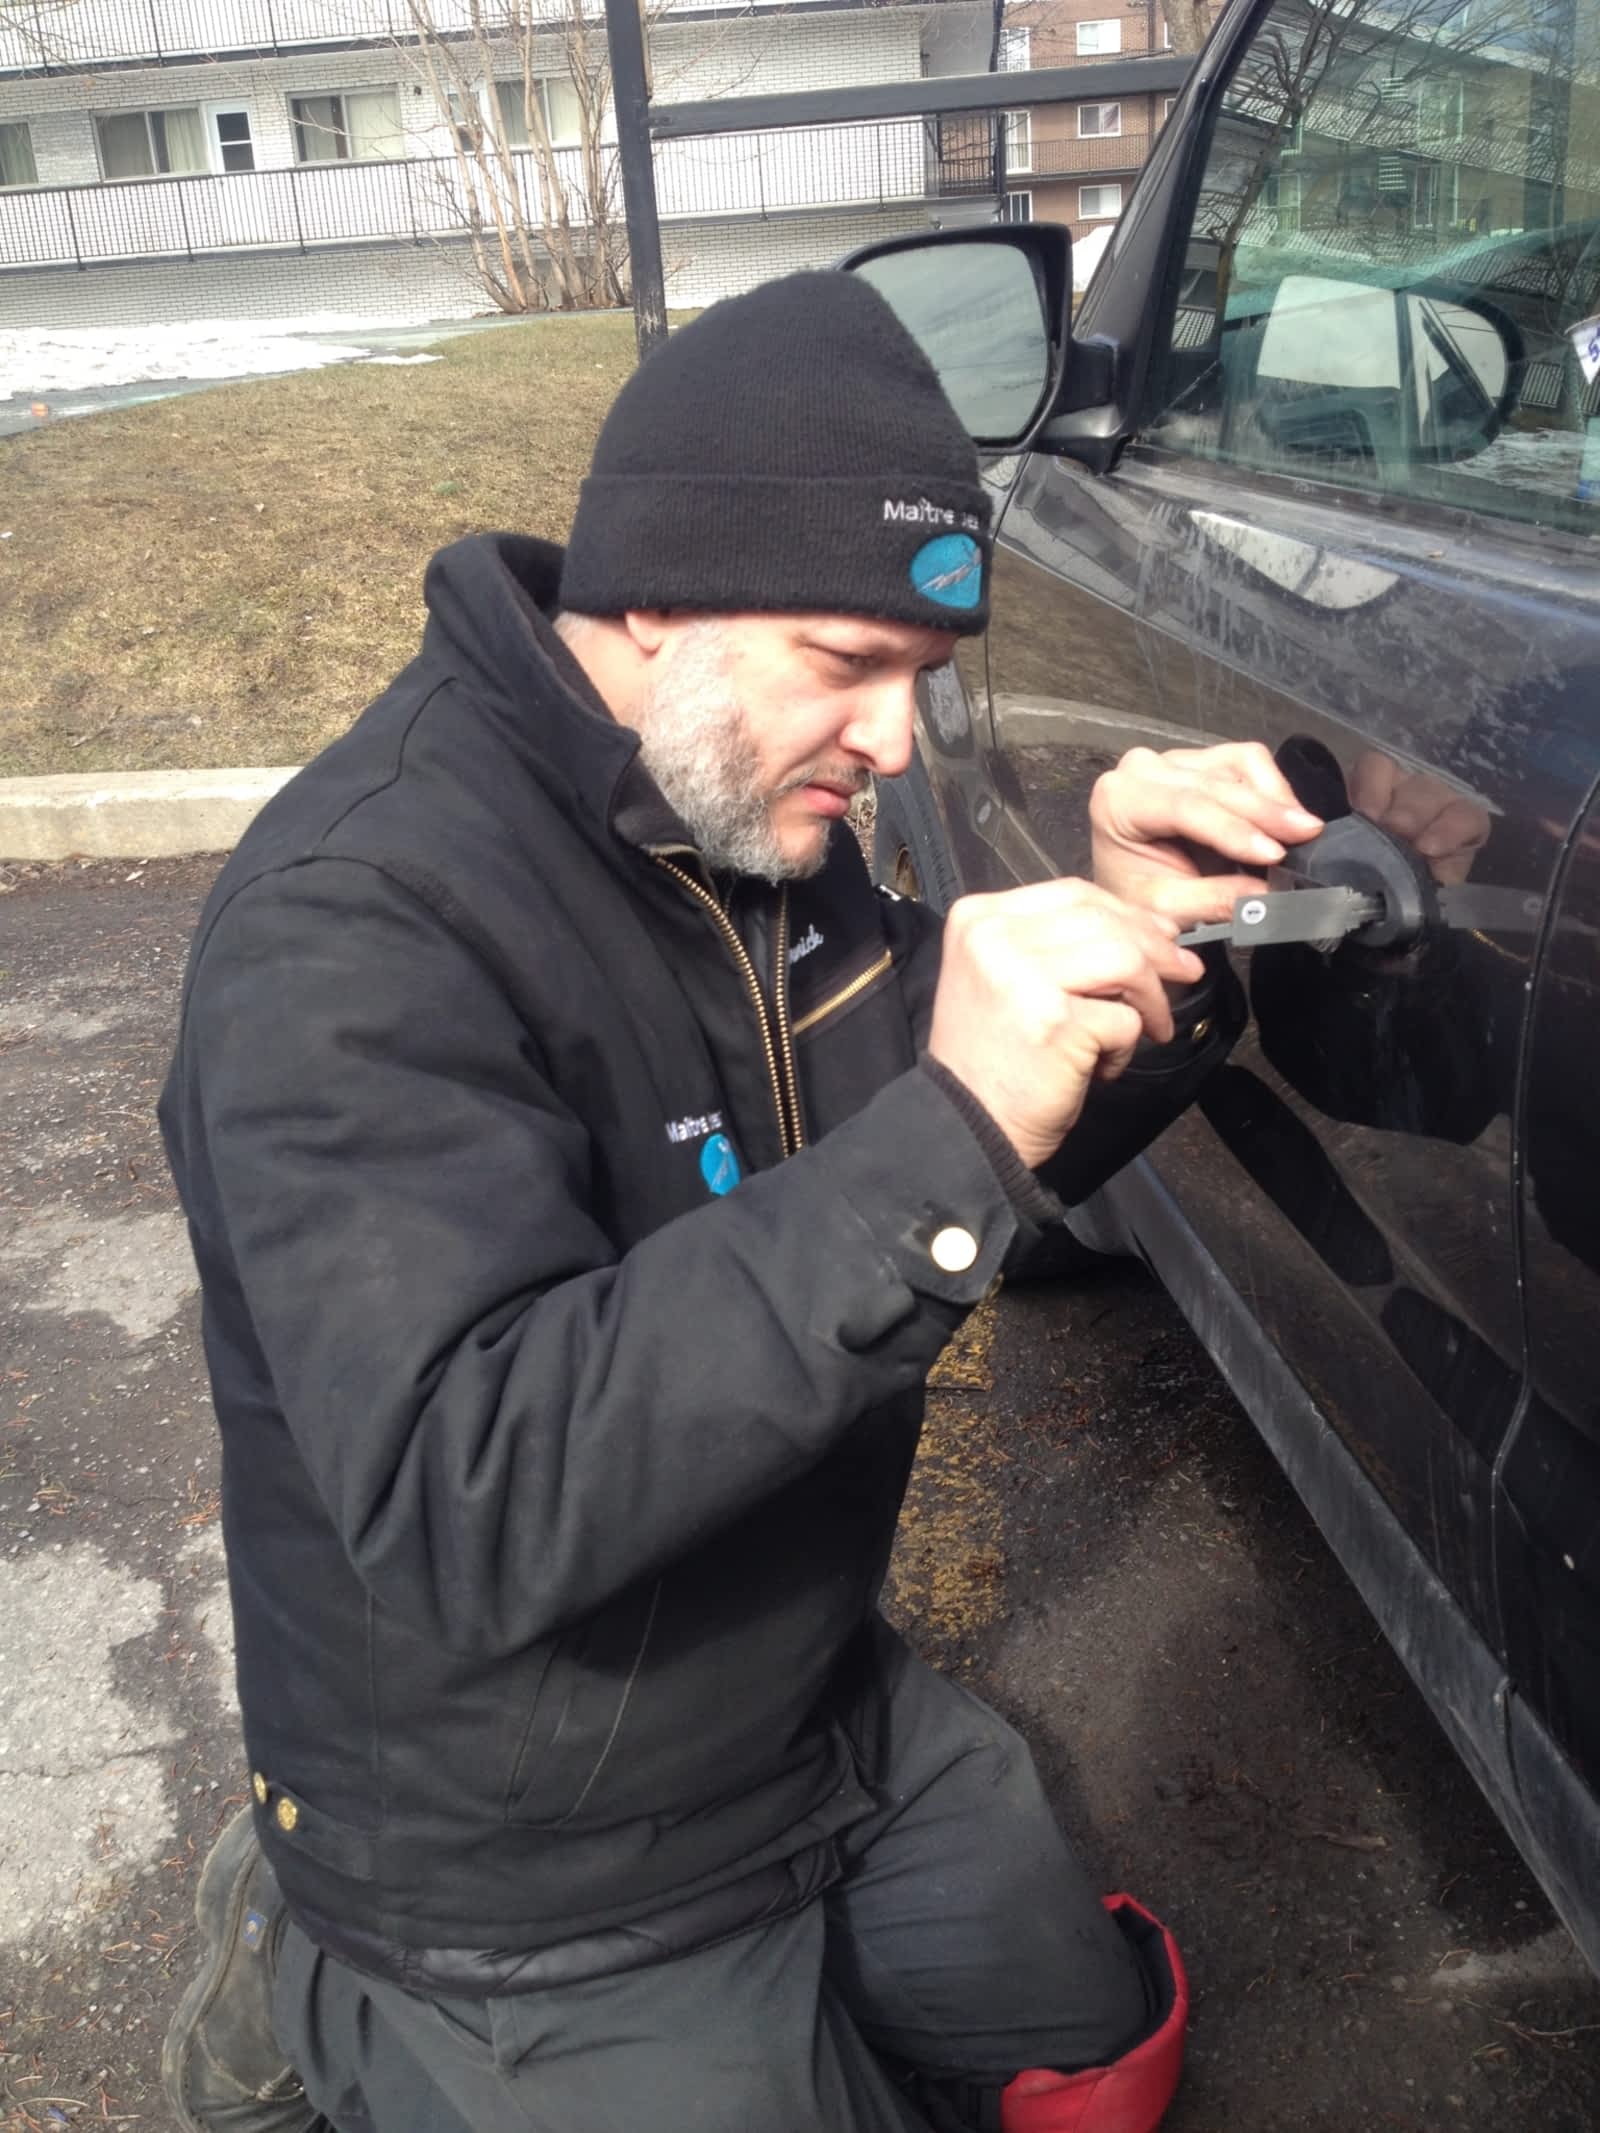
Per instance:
(1189,22)
(543,220)
(36,28)
(1387,52)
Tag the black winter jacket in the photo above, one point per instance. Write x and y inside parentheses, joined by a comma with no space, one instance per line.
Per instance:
(557,1478)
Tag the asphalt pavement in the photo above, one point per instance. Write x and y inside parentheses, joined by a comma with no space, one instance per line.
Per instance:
(1096,1541)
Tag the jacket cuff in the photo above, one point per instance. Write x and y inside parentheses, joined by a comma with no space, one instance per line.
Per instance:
(920,1180)
(1035,1203)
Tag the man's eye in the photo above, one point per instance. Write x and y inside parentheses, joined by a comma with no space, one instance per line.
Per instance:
(856,662)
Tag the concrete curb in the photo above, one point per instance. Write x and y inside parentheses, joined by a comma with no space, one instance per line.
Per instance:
(132,814)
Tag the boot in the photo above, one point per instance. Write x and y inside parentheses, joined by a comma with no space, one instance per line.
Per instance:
(1130,2095)
(221,2066)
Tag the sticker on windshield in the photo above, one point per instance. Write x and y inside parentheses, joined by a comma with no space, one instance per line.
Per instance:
(1585,338)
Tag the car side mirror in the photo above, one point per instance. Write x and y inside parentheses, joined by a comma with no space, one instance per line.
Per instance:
(1418,373)
(1469,365)
(992,311)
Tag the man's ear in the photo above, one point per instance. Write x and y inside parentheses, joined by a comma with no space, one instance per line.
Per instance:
(648,628)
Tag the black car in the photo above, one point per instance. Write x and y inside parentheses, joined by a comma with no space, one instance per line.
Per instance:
(1318,463)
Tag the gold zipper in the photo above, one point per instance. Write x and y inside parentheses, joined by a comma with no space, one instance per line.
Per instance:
(780,994)
(848,992)
(730,934)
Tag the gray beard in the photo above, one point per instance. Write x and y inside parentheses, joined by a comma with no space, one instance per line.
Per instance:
(695,742)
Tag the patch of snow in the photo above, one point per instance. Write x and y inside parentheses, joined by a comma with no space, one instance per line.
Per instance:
(36,360)
(1087,253)
(401,360)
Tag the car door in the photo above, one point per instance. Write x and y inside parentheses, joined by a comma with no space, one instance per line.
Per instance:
(1548,1533)
(1353,521)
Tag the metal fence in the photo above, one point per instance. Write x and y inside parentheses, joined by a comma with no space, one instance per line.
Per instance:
(340,203)
(68,36)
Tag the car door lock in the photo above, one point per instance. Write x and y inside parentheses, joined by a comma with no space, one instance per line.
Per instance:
(1320,916)
(1351,879)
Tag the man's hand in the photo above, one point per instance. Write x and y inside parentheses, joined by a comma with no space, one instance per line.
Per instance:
(1155,816)
(1442,827)
(1045,989)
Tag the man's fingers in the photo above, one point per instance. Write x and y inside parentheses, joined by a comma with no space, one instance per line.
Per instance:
(1250,764)
(1091,950)
(1116,1030)
(1095,949)
(1371,783)
(1458,827)
(1241,827)
(1199,899)
(1063,899)
(1225,814)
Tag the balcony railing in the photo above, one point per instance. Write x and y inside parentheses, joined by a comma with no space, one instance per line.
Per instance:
(314,204)
(1070,159)
(69,36)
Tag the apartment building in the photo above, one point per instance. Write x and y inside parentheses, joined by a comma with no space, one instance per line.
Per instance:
(1075,163)
(171,159)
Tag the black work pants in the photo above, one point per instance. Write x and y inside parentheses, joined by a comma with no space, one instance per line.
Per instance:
(962,1941)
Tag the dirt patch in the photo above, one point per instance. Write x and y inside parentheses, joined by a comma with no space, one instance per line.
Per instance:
(230,576)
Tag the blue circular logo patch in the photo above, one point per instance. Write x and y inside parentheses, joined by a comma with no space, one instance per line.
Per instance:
(719,1166)
(949,571)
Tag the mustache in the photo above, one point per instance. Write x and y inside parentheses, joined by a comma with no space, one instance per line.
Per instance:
(848,777)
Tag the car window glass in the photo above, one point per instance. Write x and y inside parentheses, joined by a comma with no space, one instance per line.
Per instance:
(1392,274)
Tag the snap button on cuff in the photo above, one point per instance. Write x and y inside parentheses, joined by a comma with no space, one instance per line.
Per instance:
(288,1814)
(258,1785)
(953,1250)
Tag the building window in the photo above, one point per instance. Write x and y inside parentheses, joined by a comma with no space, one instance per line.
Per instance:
(17,166)
(1100,36)
(1097,121)
(466,120)
(1016,51)
(1017,207)
(152,144)
(1440,112)
(1019,140)
(235,148)
(1280,196)
(1167,103)
(1166,35)
(356,126)
(1424,196)
(558,100)
(1099,203)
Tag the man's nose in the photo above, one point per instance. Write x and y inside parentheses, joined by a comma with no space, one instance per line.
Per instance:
(880,728)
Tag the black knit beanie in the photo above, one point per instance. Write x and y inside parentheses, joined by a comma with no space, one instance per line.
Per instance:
(791,449)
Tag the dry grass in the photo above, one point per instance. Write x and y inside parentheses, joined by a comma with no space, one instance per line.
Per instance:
(230,576)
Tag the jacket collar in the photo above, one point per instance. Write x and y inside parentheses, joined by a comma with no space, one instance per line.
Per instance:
(490,599)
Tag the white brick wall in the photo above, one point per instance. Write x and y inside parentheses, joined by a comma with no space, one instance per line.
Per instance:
(761,57)
(706,260)
(373,282)
(689,60)
(703,260)
(59,110)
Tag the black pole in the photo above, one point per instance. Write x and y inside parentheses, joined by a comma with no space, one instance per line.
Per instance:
(630,88)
